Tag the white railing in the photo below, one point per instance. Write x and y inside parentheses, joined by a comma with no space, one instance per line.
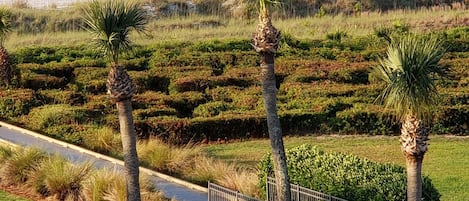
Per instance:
(299,193)
(220,193)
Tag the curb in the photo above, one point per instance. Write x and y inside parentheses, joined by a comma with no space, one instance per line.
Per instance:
(100,156)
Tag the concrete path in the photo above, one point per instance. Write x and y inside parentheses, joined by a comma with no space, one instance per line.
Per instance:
(171,187)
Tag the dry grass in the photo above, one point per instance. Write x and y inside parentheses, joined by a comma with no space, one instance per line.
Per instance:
(102,139)
(183,29)
(57,177)
(164,157)
(16,169)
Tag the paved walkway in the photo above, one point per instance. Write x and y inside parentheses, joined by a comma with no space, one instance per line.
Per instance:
(170,189)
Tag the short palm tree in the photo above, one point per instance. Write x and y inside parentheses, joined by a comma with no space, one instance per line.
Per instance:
(408,72)
(6,67)
(265,42)
(111,22)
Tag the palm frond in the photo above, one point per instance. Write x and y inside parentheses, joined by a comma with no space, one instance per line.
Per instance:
(265,6)
(5,24)
(111,22)
(409,71)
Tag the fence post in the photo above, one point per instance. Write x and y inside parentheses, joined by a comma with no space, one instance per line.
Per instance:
(208,191)
(297,192)
(267,187)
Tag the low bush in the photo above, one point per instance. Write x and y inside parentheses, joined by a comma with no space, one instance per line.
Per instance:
(55,96)
(185,102)
(222,46)
(142,114)
(345,176)
(53,115)
(190,83)
(144,81)
(14,103)
(91,80)
(366,118)
(42,81)
(211,109)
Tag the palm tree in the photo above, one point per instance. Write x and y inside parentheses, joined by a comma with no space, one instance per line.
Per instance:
(111,22)
(408,72)
(266,41)
(6,67)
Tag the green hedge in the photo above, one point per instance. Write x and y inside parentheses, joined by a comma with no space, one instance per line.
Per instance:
(56,96)
(55,115)
(42,81)
(14,103)
(345,176)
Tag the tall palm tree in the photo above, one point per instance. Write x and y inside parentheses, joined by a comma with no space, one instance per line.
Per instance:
(6,67)
(266,40)
(111,23)
(409,72)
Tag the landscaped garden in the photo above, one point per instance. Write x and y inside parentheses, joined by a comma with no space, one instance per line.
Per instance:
(198,85)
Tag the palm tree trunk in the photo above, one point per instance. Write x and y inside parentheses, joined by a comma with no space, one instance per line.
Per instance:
(269,93)
(414,178)
(414,142)
(128,136)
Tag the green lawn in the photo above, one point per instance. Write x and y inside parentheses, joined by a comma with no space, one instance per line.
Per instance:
(446,162)
(4,196)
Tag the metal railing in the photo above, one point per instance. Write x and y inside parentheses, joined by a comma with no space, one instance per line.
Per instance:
(299,193)
(220,193)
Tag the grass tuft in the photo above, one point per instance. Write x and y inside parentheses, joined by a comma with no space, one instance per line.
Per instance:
(17,168)
(58,177)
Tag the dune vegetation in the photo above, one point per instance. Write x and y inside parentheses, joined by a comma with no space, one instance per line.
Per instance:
(196,77)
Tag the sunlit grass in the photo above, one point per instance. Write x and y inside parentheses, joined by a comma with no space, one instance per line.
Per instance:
(446,161)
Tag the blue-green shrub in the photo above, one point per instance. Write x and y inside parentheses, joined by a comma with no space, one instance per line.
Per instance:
(346,176)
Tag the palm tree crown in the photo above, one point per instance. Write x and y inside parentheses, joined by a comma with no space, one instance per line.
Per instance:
(111,22)
(408,71)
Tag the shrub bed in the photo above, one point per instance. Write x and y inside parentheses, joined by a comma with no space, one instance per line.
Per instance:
(14,103)
(345,176)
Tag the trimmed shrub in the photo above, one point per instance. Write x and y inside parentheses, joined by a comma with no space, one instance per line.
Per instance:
(211,109)
(142,114)
(452,119)
(185,102)
(219,46)
(144,81)
(53,68)
(91,80)
(366,118)
(42,81)
(52,115)
(345,176)
(14,103)
(55,96)
(189,83)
